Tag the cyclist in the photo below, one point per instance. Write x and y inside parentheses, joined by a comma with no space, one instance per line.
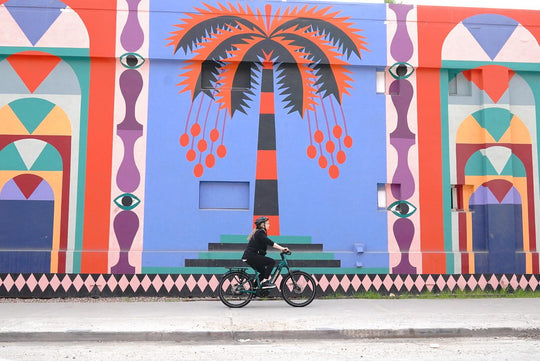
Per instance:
(255,253)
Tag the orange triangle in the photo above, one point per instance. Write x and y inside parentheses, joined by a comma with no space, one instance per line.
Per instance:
(33,67)
(493,79)
(55,123)
(9,123)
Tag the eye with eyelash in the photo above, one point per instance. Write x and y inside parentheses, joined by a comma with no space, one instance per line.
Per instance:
(402,209)
(401,70)
(132,60)
(127,201)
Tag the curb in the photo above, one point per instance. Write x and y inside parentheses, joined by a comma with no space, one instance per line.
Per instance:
(244,336)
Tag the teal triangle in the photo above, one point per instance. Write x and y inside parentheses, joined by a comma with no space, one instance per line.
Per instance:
(514,167)
(478,164)
(10,159)
(31,111)
(49,159)
(495,120)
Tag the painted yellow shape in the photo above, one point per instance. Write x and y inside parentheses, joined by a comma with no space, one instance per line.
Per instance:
(55,123)
(10,123)
(517,133)
(470,131)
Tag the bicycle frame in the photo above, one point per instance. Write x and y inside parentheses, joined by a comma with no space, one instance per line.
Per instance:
(275,274)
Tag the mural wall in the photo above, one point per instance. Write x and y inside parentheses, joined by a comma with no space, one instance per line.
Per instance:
(393,147)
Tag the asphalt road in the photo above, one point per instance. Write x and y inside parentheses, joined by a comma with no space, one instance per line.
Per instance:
(456,349)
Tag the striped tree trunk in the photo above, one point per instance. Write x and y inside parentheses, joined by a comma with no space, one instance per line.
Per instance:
(266,184)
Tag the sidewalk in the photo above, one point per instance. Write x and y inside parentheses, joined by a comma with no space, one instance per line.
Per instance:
(205,321)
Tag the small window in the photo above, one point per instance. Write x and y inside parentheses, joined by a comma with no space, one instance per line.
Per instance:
(224,195)
(381,81)
(460,192)
(459,86)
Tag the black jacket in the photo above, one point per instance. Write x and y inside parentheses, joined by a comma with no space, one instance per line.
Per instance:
(258,243)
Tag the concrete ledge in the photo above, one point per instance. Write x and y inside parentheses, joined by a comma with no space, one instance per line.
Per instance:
(213,336)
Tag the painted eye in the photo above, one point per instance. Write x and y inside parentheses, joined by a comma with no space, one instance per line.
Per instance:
(131,60)
(401,70)
(127,201)
(402,209)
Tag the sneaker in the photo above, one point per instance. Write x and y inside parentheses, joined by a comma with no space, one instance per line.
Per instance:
(268,284)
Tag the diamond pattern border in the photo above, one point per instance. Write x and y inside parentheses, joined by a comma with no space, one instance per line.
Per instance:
(44,285)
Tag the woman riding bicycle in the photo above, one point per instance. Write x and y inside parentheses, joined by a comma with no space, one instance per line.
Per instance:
(255,253)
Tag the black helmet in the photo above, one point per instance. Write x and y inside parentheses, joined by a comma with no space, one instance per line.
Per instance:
(260,221)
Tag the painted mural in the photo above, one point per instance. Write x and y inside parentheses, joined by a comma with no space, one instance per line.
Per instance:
(394,147)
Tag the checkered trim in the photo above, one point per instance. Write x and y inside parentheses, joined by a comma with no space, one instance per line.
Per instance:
(196,285)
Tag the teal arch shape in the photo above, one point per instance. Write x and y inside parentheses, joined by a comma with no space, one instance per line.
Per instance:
(495,120)
(479,165)
(31,111)
(10,159)
(48,160)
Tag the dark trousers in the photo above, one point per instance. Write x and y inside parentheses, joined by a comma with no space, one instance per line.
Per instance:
(261,264)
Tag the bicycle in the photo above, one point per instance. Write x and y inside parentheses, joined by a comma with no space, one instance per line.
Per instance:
(237,287)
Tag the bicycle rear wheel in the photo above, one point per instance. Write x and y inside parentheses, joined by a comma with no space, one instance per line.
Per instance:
(235,289)
(298,289)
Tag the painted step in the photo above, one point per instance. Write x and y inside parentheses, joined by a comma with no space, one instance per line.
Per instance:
(274,255)
(242,238)
(239,263)
(300,247)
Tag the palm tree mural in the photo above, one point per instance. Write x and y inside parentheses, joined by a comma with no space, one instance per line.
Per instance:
(302,49)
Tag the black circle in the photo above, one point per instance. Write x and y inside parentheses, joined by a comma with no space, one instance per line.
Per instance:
(401,70)
(127,201)
(131,60)
(402,208)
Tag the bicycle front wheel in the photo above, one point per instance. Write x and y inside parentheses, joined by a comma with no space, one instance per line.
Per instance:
(235,289)
(298,289)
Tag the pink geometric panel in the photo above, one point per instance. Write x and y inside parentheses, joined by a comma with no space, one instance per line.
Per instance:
(514,282)
(345,283)
(493,282)
(409,283)
(523,282)
(323,283)
(388,283)
(482,282)
(145,283)
(377,282)
(123,283)
(112,283)
(54,283)
(533,283)
(101,283)
(472,283)
(420,283)
(157,283)
(78,282)
(202,283)
(66,282)
(430,283)
(334,283)
(214,283)
(43,283)
(398,282)
(31,282)
(366,282)
(356,283)
(441,283)
(134,283)
(179,283)
(504,282)
(89,283)
(169,283)
(19,282)
(191,283)
(8,283)
(461,283)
